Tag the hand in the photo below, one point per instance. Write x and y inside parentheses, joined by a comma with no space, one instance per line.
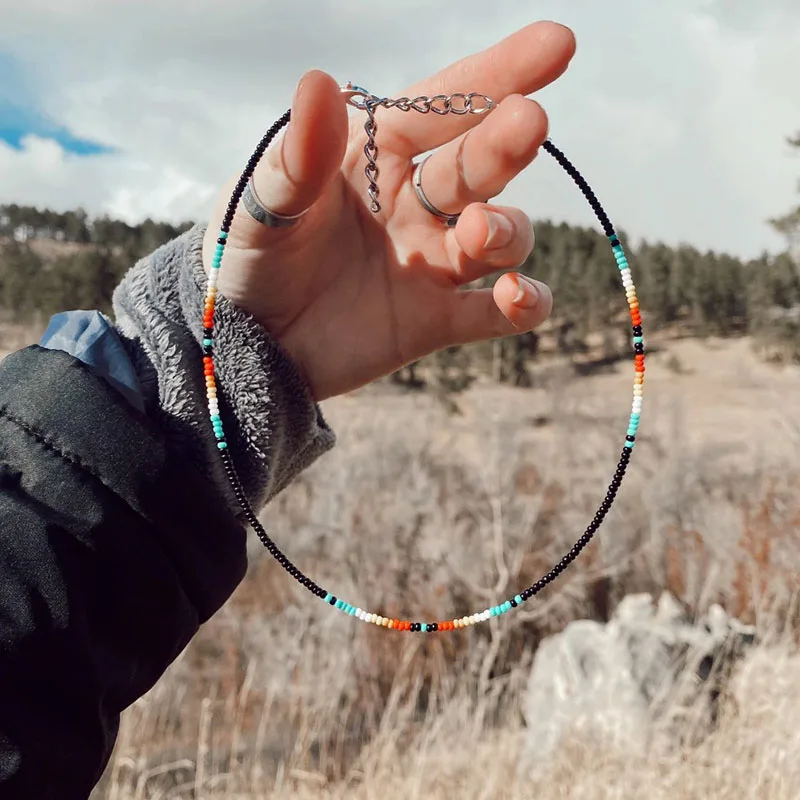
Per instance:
(352,295)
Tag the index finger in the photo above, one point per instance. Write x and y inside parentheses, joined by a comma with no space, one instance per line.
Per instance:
(522,63)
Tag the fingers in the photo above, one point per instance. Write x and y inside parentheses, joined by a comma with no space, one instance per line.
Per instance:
(516,304)
(477,165)
(294,173)
(522,63)
(486,239)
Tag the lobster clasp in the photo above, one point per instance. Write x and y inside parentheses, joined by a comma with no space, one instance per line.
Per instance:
(355,96)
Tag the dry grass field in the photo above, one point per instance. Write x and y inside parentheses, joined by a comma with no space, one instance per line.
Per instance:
(423,513)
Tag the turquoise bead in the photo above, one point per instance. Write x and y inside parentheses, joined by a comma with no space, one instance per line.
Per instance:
(208,342)
(222,445)
(222,235)
(328,597)
(216,418)
(424,627)
(629,445)
(638,339)
(518,599)
(507,606)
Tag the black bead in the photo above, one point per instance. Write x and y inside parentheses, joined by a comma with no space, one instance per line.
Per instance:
(638,347)
(614,242)
(433,626)
(332,601)
(630,439)
(513,602)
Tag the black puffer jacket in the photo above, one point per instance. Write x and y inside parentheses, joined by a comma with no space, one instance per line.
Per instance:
(117,535)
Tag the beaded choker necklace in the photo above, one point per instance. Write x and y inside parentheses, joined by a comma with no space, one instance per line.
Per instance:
(440,104)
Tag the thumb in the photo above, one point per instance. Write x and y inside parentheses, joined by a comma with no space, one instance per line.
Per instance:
(294,173)
(515,305)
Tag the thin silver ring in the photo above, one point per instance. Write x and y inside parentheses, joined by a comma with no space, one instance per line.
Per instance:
(260,213)
(450,219)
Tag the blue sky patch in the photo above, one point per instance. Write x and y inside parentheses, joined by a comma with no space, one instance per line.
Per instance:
(20,116)
(17,122)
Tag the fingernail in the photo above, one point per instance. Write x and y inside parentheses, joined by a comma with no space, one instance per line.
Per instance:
(501,231)
(528,293)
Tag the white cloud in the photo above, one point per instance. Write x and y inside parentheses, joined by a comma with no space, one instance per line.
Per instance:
(676,112)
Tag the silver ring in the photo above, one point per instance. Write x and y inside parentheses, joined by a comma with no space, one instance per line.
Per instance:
(260,213)
(450,219)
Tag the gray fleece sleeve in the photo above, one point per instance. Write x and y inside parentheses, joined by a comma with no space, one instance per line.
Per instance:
(273,426)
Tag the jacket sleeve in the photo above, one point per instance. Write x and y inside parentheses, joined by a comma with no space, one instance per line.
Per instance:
(118,537)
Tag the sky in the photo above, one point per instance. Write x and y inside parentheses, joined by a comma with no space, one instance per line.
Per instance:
(677,113)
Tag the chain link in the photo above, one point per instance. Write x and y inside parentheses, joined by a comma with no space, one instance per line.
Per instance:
(441,104)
